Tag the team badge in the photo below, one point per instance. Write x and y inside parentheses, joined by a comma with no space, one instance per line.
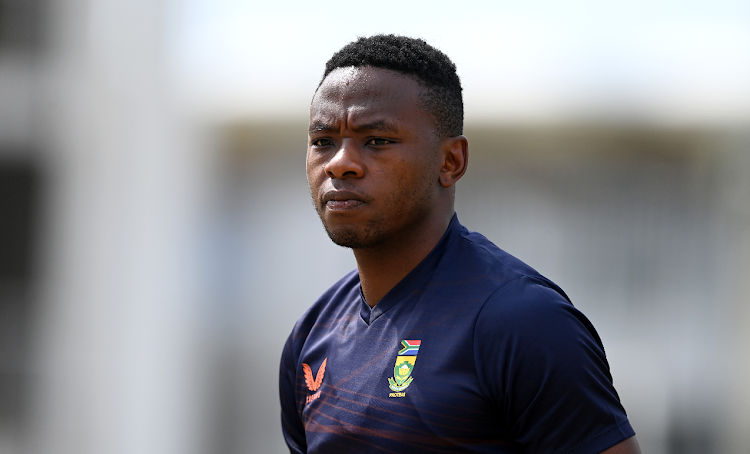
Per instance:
(405,360)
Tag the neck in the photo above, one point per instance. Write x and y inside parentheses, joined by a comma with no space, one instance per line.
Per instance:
(383,266)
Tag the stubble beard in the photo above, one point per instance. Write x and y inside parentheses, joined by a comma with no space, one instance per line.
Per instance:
(354,238)
(376,231)
(371,236)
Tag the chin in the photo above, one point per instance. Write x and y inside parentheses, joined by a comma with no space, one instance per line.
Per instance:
(346,238)
(353,238)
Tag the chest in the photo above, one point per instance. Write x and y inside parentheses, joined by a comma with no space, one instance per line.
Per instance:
(407,378)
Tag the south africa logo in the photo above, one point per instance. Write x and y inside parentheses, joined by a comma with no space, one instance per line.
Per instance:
(405,360)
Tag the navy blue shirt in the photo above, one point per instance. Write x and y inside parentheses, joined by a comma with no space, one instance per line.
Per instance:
(472,352)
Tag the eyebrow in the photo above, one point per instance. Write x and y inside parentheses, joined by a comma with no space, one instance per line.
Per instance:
(377,125)
(320,127)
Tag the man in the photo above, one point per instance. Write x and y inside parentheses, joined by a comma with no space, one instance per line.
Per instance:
(438,342)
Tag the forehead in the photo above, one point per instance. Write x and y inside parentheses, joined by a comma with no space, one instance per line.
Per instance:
(355,94)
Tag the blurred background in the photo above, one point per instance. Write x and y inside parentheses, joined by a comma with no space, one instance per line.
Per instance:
(157,242)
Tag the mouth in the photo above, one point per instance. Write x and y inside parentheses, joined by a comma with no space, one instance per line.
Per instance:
(342,200)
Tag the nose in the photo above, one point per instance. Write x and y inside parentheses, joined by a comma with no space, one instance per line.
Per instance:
(346,163)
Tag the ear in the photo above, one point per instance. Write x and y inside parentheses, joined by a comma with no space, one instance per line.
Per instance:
(455,155)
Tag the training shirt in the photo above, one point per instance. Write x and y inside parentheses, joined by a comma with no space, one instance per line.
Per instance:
(472,352)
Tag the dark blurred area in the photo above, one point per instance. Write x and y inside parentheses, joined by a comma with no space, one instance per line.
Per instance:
(21,25)
(20,191)
(19,187)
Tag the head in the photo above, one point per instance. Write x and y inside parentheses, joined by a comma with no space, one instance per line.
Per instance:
(384,148)
(417,60)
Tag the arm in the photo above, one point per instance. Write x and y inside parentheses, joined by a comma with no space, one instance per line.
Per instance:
(629,446)
(291,425)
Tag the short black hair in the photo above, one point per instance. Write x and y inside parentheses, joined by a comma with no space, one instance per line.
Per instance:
(416,59)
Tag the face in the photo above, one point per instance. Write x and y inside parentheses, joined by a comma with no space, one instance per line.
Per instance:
(373,158)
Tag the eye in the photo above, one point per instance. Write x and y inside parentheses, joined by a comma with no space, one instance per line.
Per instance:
(378,141)
(323,142)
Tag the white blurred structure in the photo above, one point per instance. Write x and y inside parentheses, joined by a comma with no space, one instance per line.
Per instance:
(110,360)
(168,251)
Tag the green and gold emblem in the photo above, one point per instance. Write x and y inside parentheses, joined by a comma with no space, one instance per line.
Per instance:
(404,366)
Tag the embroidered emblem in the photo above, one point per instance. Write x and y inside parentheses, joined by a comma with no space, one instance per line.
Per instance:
(314,385)
(405,360)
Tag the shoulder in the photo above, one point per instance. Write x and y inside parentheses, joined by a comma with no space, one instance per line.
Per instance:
(334,304)
(478,266)
(339,296)
(535,316)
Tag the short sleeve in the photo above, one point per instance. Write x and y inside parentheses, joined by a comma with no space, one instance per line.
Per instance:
(291,424)
(542,364)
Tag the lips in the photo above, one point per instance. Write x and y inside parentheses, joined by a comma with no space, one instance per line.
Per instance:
(338,205)
(336,200)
